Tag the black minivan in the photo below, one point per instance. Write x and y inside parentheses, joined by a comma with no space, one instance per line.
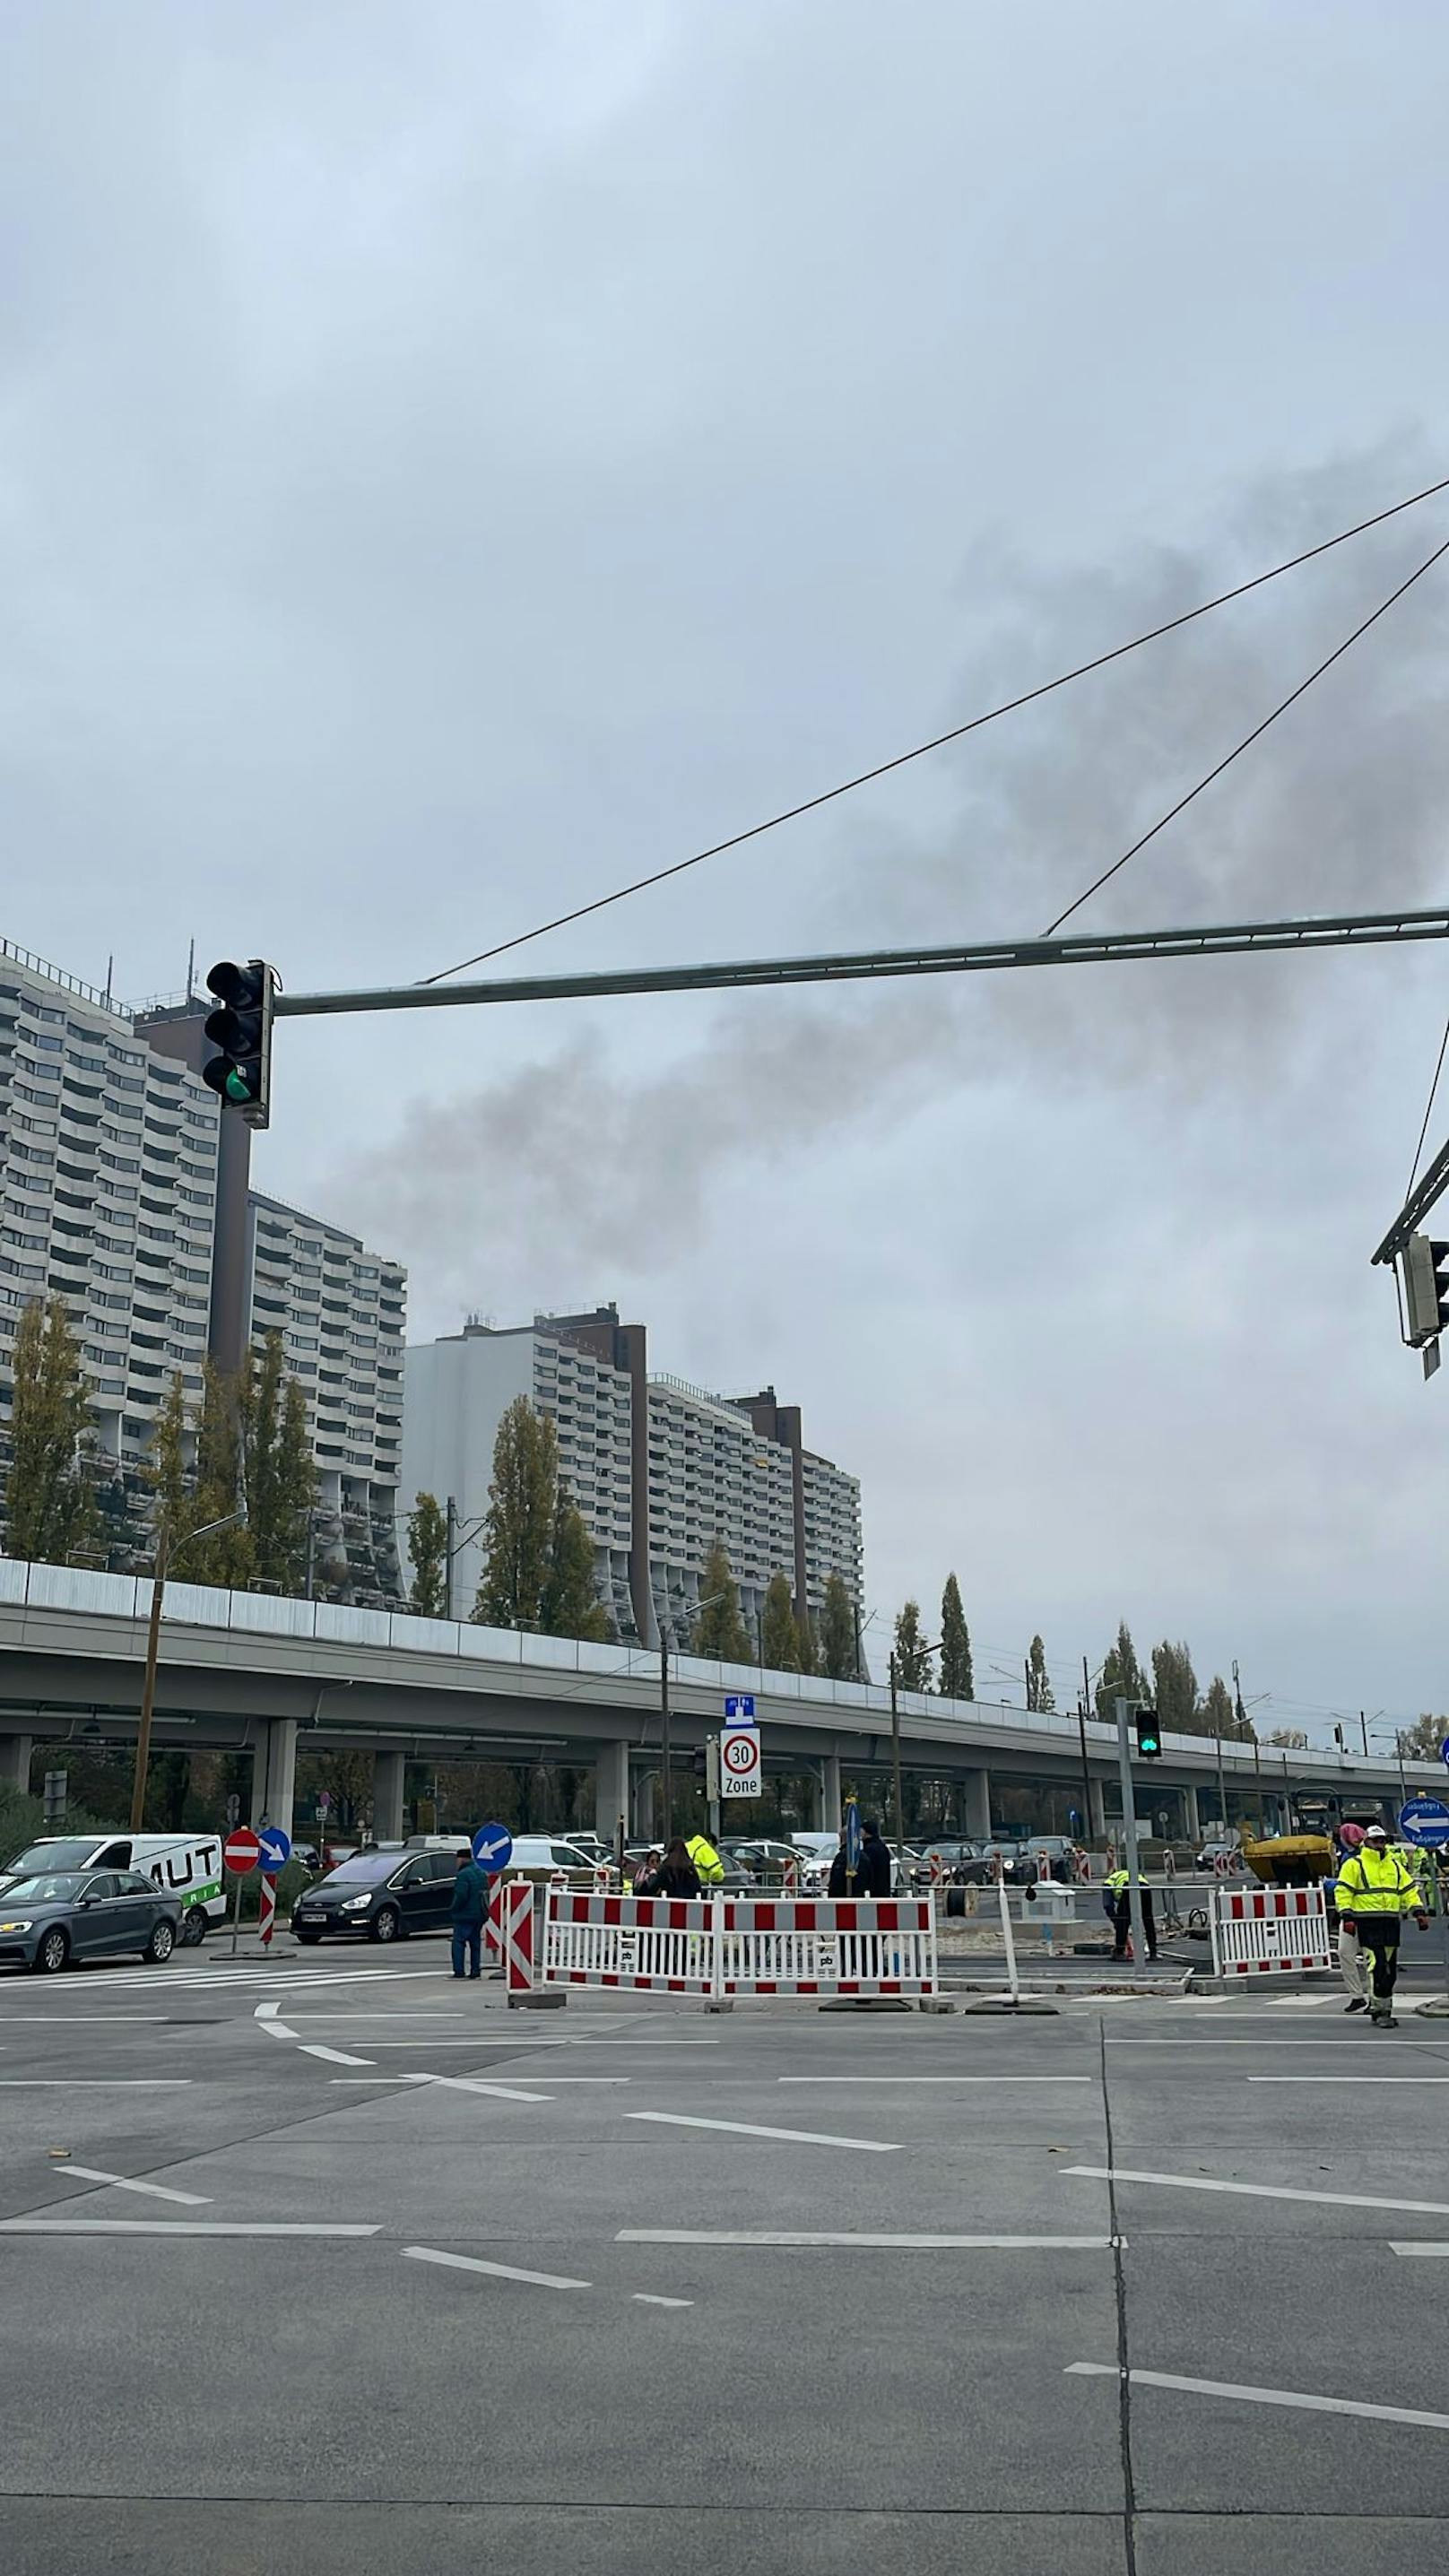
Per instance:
(384,1894)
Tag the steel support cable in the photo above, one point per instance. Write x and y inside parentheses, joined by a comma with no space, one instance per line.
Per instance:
(956,733)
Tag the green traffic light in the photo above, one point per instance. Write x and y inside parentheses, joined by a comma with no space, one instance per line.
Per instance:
(239,1087)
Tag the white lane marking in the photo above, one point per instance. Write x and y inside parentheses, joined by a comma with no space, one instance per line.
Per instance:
(651,2299)
(895,2244)
(170,2227)
(1419,2249)
(1261,2396)
(497,2271)
(75,2021)
(448,2043)
(94,2083)
(1381,2083)
(749,2129)
(1346,2040)
(334,2056)
(1258,2190)
(475,2084)
(125,2182)
(933,2079)
(266,2012)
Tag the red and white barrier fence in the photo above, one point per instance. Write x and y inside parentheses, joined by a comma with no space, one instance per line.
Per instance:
(1256,1930)
(718,1945)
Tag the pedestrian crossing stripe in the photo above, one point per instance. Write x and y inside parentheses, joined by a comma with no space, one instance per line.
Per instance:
(225,1980)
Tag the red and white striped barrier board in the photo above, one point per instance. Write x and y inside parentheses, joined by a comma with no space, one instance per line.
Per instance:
(519,1914)
(657,1942)
(721,1945)
(1258,1929)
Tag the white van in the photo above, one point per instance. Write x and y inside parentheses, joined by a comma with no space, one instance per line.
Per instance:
(187,1866)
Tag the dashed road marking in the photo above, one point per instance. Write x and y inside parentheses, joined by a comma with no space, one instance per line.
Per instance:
(1295,2397)
(751,2129)
(496,2271)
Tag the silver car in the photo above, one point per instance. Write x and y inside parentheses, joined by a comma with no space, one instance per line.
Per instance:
(56,1916)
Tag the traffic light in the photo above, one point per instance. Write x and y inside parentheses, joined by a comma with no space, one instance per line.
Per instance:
(1424,1268)
(241,1031)
(1149,1736)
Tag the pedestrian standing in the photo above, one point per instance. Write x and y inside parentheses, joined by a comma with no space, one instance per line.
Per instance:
(875,1861)
(676,1874)
(1353,1963)
(1375,1892)
(466,1912)
(647,1871)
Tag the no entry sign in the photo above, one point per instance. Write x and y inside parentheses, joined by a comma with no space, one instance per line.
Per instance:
(241,1851)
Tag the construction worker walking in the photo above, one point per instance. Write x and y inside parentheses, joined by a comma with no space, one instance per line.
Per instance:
(1353,1959)
(1375,1892)
(1118,1884)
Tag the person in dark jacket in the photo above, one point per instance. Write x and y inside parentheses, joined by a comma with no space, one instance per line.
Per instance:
(873,1869)
(470,1904)
(676,1874)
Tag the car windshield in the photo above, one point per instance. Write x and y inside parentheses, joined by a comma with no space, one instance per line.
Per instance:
(365,1868)
(57,1855)
(45,1888)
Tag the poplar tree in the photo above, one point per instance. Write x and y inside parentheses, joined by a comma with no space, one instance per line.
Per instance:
(428,1551)
(50,1511)
(957,1679)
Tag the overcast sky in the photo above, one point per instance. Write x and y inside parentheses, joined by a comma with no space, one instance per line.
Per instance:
(456,458)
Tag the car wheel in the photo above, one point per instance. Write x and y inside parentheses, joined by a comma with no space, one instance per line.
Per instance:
(386,1925)
(160,1946)
(53,1952)
(193,1928)
(309,1940)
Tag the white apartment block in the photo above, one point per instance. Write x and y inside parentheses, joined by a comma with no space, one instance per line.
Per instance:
(340,1310)
(659,1469)
(108,1173)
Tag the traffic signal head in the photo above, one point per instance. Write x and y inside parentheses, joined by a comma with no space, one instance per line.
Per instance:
(1149,1736)
(1424,1268)
(241,1030)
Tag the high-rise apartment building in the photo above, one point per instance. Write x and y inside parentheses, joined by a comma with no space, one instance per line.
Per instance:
(659,1469)
(339,1309)
(123,1188)
(108,1158)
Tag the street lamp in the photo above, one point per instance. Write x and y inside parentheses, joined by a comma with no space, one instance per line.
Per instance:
(666,1746)
(899,1811)
(164,1554)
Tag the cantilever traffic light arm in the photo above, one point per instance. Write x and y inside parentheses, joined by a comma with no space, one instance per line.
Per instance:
(1080,948)
(1416,1207)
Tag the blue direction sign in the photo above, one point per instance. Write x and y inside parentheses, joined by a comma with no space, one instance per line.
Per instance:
(740,1708)
(1425,1821)
(276,1848)
(493,1848)
(1444,1750)
(852,1836)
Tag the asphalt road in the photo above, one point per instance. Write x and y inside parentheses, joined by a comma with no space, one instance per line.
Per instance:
(520,2305)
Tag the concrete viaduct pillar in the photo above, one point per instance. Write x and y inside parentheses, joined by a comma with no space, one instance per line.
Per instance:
(387,1795)
(611,1791)
(1096,1810)
(15,1752)
(976,1805)
(829,1821)
(278,1772)
(1191,1818)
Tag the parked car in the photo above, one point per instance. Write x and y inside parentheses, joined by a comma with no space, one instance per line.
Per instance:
(763,1859)
(54,1916)
(384,1895)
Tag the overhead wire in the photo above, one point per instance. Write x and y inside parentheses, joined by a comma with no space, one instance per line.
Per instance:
(937,742)
(1428,1112)
(1248,739)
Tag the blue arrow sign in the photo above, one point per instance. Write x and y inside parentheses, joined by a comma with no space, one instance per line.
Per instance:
(1444,1750)
(493,1847)
(1425,1822)
(740,1708)
(276,1848)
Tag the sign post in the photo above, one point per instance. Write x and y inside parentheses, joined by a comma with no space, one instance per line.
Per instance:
(852,1845)
(275,1852)
(1129,1828)
(240,1852)
(1424,1822)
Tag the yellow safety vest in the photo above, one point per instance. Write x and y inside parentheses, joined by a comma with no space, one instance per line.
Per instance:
(705,1858)
(1373,1882)
(1118,1879)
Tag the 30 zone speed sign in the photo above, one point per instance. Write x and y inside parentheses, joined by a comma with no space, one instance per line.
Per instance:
(739,1762)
